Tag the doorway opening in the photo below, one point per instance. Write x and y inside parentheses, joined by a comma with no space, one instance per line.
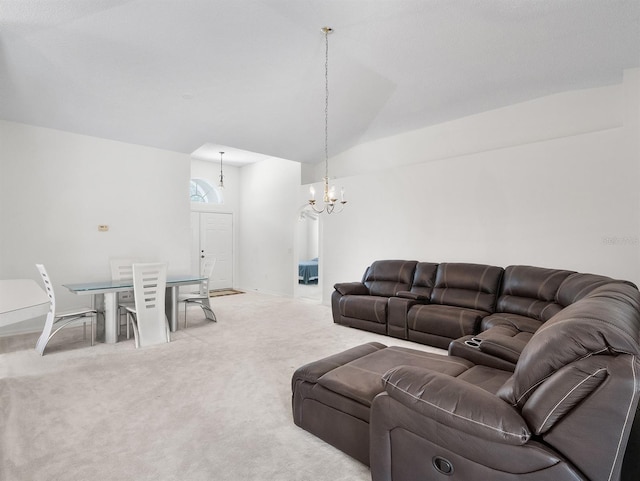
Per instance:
(308,246)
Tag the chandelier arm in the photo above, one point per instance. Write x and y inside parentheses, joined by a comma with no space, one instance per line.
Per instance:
(317,211)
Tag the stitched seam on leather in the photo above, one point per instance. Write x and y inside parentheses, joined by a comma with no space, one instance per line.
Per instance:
(542,285)
(519,436)
(626,421)
(405,265)
(440,360)
(596,319)
(481,280)
(461,322)
(502,346)
(567,395)
(476,301)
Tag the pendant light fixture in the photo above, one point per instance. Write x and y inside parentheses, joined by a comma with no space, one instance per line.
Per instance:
(329,199)
(221,183)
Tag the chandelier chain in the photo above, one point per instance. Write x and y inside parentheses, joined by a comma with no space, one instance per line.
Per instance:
(326,103)
(330,201)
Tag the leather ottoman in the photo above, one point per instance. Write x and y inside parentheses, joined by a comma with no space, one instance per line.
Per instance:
(332,397)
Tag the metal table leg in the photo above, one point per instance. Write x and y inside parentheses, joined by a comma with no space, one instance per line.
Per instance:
(171,307)
(110,317)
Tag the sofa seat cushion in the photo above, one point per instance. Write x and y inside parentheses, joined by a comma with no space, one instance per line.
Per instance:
(445,321)
(367,308)
(517,322)
(361,379)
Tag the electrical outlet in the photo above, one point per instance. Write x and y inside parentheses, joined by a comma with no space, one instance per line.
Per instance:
(103,228)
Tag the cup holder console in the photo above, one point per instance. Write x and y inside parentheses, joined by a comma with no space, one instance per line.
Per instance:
(473,342)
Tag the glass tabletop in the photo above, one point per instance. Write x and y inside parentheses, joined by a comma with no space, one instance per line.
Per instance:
(115,286)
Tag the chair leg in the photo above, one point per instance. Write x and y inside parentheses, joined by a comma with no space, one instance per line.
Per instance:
(134,328)
(46,334)
(208,311)
(185,313)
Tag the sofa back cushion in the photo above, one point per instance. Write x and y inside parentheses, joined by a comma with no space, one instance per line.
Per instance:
(472,286)
(424,279)
(387,277)
(531,291)
(606,321)
(578,285)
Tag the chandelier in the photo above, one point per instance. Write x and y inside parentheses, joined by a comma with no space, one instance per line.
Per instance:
(221,182)
(329,199)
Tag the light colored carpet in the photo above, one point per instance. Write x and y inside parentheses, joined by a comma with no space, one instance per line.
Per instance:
(214,404)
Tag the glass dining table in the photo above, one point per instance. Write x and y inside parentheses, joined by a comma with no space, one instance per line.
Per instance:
(105,299)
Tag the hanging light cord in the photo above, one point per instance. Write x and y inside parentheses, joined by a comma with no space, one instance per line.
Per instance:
(221,183)
(326,101)
(330,200)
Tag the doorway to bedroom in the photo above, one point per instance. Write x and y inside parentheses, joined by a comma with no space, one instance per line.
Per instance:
(308,283)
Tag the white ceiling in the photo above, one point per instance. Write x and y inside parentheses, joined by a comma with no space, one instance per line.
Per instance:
(249,75)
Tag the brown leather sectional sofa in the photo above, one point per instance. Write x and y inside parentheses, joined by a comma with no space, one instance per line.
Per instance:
(485,309)
(547,389)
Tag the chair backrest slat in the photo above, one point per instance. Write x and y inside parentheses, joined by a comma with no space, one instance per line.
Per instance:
(149,283)
(122,270)
(48,287)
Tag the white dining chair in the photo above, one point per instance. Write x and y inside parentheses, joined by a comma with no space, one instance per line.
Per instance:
(147,316)
(122,270)
(61,319)
(202,296)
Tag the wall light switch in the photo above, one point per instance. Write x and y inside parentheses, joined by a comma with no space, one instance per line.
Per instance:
(103,228)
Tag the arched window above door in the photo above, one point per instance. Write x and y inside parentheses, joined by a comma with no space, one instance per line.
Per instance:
(203,192)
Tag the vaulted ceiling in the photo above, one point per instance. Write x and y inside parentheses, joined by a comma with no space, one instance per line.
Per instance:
(178,74)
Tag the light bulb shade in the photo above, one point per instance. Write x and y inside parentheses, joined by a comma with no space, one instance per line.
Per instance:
(332,194)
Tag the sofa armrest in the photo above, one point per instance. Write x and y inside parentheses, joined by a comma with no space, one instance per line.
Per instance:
(503,347)
(457,404)
(351,288)
(413,296)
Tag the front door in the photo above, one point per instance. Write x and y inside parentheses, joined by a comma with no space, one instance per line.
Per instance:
(213,232)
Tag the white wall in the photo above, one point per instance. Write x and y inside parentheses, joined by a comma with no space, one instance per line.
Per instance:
(552,182)
(268,225)
(57,187)
(308,238)
(313,239)
(303,239)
